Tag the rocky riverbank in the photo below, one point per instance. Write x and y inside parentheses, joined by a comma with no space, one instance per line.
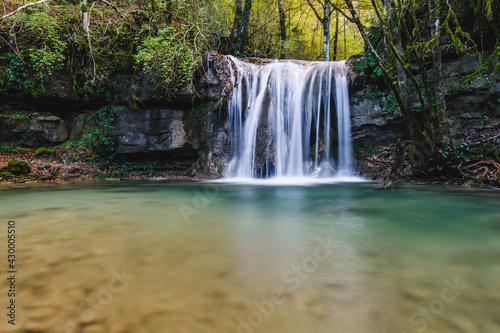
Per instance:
(140,137)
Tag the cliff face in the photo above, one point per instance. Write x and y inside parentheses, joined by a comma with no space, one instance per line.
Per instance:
(148,125)
(193,124)
(376,118)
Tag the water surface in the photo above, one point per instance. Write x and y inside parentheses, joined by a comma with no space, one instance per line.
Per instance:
(192,257)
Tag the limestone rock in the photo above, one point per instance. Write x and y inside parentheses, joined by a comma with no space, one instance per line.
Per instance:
(149,131)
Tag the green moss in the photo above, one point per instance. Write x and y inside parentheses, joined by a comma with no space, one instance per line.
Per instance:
(7,176)
(18,167)
(42,152)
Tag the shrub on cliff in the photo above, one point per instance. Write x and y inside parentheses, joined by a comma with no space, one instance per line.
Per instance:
(170,55)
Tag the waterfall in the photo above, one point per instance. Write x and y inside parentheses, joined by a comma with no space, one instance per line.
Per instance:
(280,119)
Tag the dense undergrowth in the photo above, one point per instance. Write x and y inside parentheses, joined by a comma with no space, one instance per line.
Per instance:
(120,42)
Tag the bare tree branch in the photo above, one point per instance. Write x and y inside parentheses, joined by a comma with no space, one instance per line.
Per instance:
(23,7)
(110,4)
(337,8)
(315,12)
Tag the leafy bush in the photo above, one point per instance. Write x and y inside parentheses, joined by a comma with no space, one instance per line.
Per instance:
(50,50)
(171,53)
(37,48)
(98,138)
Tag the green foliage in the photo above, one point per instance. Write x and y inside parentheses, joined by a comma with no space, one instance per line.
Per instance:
(43,152)
(75,151)
(288,48)
(18,167)
(482,123)
(49,49)
(37,48)
(12,116)
(97,135)
(171,54)
(460,152)
(11,147)
(384,100)
(365,147)
(124,166)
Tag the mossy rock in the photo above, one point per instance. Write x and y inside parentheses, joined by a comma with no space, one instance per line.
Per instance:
(42,152)
(7,176)
(18,167)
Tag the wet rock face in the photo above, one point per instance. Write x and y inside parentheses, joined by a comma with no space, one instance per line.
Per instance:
(136,131)
(35,132)
(372,123)
(377,120)
(479,98)
(265,135)
(212,80)
(149,131)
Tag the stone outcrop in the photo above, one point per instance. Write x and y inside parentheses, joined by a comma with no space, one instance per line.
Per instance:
(185,129)
(37,132)
(376,118)
(152,125)
(372,123)
(149,131)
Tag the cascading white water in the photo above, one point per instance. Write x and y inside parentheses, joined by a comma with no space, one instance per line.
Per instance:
(279,117)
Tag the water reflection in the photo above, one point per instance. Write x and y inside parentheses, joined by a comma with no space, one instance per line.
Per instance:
(342,258)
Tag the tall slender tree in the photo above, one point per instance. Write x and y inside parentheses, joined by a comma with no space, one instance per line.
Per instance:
(336,37)
(405,44)
(325,22)
(84,13)
(239,36)
(281,11)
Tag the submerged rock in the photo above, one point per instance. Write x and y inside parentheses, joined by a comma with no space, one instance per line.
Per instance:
(206,175)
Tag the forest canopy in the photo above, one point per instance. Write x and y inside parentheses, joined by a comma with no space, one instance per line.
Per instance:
(94,39)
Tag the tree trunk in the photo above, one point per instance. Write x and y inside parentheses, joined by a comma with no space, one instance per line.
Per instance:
(326,32)
(441,127)
(237,19)
(325,21)
(425,148)
(336,39)
(401,75)
(245,19)
(168,17)
(85,16)
(345,41)
(281,11)
(240,27)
